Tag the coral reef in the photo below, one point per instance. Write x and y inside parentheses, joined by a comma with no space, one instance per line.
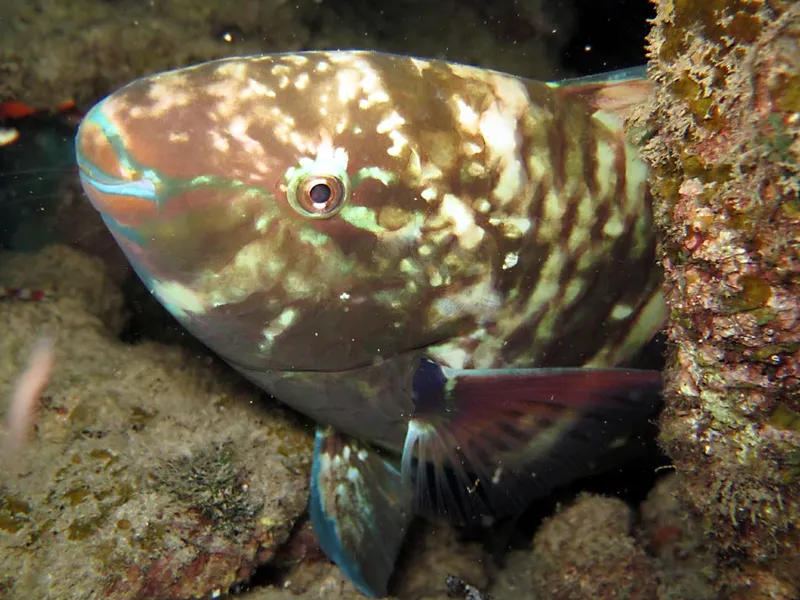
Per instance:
(87,48)
(725,148)
(597,548)
(685,566)
(587,551)
(151,473)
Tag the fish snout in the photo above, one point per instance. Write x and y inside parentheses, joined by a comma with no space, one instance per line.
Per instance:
(119,188)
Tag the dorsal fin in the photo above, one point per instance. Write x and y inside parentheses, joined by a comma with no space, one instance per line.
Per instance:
(617,92)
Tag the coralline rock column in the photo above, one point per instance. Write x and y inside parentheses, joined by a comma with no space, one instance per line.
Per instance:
(723,137)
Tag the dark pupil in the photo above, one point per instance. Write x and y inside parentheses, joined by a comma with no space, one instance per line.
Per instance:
(320,193)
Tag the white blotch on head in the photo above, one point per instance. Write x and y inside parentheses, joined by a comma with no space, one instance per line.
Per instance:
(429,194)
(167,94)
(476,169)
(232,69)
(499,131)
(399,141)
(471,148)
(512,227)
(301,81)
(511,181)
(256,89)
(467,117)
(482,205)
(238,131)
(452,209)
(296,59)
(178,299)
(510,260)
(277,327)
(219,142)
(390,123)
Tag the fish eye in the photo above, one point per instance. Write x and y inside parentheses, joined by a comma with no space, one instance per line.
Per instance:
(320,196)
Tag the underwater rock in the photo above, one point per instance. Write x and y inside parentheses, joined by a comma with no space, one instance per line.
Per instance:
(151,472)
(86,49)
(674,538)
(725,147)
(586,551)
(432,552)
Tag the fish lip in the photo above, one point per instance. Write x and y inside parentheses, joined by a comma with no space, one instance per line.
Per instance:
(143,188)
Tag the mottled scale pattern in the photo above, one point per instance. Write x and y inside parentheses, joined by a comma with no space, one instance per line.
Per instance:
(498,221)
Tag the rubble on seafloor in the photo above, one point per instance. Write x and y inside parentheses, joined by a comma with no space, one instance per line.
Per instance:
(724,144)
(85,49)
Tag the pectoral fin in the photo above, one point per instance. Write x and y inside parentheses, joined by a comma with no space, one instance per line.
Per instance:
(484,443)
(360,509)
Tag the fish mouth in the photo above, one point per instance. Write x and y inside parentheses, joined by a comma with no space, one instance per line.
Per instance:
(116,185)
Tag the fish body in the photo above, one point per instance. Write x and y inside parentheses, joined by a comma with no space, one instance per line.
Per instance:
(431,259)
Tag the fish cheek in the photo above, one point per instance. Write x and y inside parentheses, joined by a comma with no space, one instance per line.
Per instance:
(202,229)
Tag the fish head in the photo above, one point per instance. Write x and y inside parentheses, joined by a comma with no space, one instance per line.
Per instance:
(287,209)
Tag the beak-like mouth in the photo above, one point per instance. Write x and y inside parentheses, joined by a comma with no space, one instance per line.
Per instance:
(106,183)
(120,189)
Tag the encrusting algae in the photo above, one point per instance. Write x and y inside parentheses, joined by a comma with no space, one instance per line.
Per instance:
(726,159)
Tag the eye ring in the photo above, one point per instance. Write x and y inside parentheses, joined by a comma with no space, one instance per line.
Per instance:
(320,196)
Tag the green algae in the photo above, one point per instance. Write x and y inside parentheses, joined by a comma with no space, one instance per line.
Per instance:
(76,496)
(755,293)
(785,418)
(13,514)
(789,95)
(209,481)
(108,501)
(766,353)
(80,529)
(708,16)
(101,454)
(694,167)
(12,523)
(151,539)
(82,416)
(14,505)
(141,417)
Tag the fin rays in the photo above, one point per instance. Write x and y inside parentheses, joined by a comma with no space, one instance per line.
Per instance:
(483,444)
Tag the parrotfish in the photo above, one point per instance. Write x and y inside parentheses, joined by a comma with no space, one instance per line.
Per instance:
(446,267)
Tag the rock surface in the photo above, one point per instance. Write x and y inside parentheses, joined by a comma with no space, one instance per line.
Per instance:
(151,473)
(87,48)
